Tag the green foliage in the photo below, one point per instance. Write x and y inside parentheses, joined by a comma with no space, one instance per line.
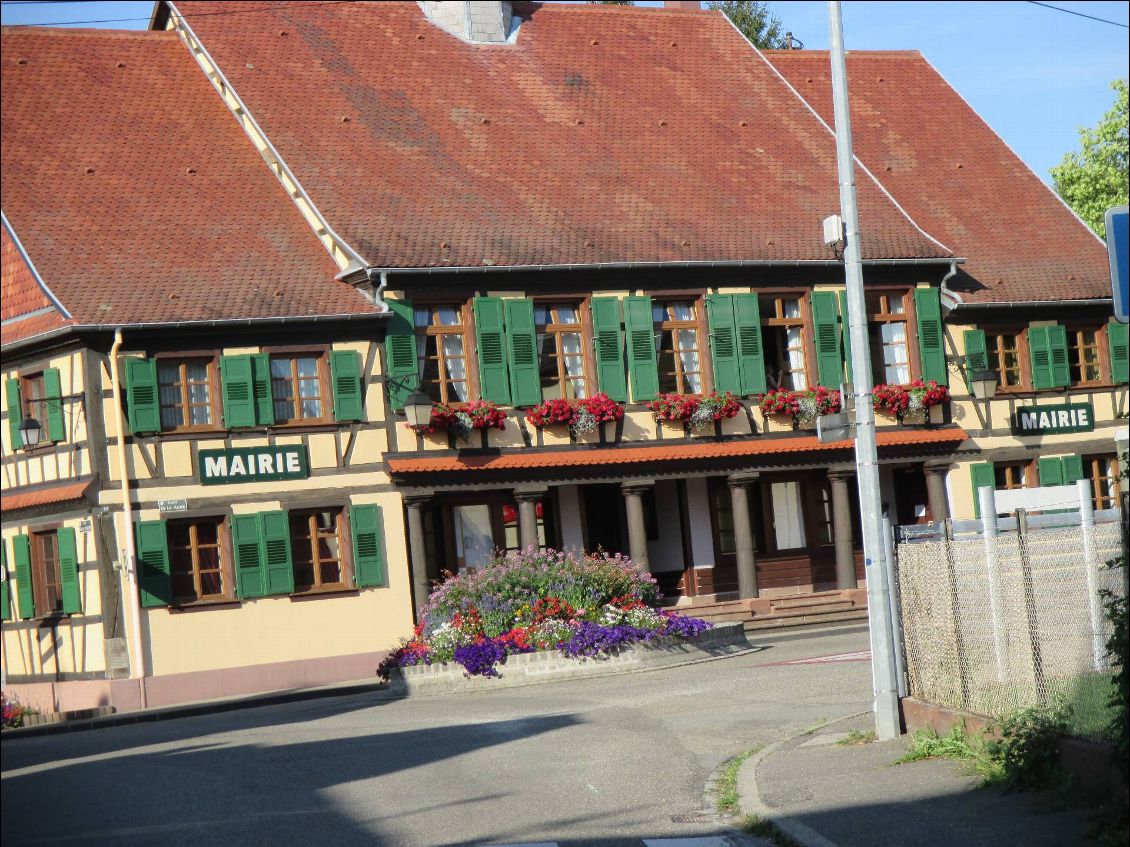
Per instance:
(768,830)
(726,786)
(1028,750)
(1094,179)
(855,737)
(1116,645)
(755,21)
(971,751)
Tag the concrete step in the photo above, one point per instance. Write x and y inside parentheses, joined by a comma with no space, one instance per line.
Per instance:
(841,604)
(803,619)
(804,601)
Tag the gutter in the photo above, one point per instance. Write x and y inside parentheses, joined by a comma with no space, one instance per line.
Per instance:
(705,263)
(129,553)
(1024,304)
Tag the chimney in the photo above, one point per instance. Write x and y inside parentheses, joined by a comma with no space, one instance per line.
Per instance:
(479,21)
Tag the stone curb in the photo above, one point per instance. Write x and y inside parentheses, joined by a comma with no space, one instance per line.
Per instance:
(723,641)
(749,797)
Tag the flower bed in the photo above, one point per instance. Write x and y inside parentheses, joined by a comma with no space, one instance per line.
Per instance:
(913,397)
(582,606)
(802,406)
(581,416)
(694,410)
(461,420)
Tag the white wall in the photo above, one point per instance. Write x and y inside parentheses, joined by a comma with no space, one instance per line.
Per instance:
(698,509)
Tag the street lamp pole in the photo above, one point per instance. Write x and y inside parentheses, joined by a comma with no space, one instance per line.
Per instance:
(883,667)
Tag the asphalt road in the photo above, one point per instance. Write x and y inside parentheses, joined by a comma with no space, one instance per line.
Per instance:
(606,761)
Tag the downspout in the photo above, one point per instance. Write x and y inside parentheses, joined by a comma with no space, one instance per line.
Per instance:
(137,666)
(953,298)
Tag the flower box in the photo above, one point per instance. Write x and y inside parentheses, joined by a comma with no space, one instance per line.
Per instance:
(461,421)
(911,403)
(583,417)
(697,412)
(803,407)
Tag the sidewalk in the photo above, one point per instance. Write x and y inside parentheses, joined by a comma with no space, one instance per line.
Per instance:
(825,795)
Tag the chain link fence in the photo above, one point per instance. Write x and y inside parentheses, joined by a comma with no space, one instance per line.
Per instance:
(996,624)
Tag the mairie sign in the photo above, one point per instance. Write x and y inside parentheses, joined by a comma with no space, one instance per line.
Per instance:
(252,464)
(1047,420)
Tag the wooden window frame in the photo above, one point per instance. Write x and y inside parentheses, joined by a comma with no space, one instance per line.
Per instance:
(226,565)
(215,390)
(584,327)
(909,317)
(40,584)
(1102,347)
(1023,357)
(1090,467)
(470,353)
(698,324)
(325,384)
(344,546)
(1027,468)
(774,319)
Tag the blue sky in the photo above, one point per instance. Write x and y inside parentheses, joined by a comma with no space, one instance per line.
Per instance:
(1033,73)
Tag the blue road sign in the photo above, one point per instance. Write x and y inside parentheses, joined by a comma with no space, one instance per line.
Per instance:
(1118,247)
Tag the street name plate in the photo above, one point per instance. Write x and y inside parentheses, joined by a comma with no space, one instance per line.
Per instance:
(1049,420)
(172,505)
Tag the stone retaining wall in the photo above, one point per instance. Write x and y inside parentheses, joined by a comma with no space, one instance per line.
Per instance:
(550,665)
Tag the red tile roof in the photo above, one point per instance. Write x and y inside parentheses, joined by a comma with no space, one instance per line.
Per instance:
(62,492)
(137,195)
(25,308)
(602,134)
(957,178)
(682,451)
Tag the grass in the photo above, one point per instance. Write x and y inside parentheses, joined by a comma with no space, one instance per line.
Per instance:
(726,786)
(856,737)
(971,751)
(820,724)
(762,828)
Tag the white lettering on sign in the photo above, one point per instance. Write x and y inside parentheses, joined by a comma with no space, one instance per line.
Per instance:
(236,468)
(215,467)
(1028,420)
(266,463)
(1084,417)
(292,465)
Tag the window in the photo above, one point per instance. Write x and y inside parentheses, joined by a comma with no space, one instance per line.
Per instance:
(33,392)
(315,539)
(511,532)
(1005,357)
(782,320)
(1102,471)
(197,560)
(47,581)
(1086,366)
(296,385)
(788,515)
(1011,476)
(678,347)
(442,344)
(185,393)
(890,345)
(561,352)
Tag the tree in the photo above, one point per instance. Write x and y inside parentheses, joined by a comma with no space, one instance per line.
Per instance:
(1093,180)
(755,21)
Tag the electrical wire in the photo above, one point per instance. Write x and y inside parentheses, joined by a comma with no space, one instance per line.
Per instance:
(1079,14)
(270,8)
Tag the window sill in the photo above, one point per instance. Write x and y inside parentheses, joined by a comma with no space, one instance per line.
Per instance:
(40,449)
(199,605)
(315,593)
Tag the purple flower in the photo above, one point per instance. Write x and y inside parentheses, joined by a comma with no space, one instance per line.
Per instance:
(480,658)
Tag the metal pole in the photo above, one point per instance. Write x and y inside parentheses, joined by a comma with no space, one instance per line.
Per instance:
(891,573)
(883,669)
(1091,572)
(987,500)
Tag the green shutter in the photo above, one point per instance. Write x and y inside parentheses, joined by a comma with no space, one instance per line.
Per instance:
(154,580)
(237,377)
(1040,353)
(278,564)
(402,374)
(724,342)
(825,324)
(976,354)
(981,474)
(642,366)
(931,349)
(261,386)
(522,345)
(1117,340)
(494,383)
(845,333)
(15,413)
(608,343)
(25,597)
(1072,469)
(5,598)
(751,352)
(368,545)
(250,578)
(142,404)
(68,570)
(1057,344)
(349,389)
(53,392)
(1051,470)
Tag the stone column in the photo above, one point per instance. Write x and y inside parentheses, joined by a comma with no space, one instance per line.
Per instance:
(936,491)
(743,533)
(637,524)
(528,517)
(841,530)
(417,550)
